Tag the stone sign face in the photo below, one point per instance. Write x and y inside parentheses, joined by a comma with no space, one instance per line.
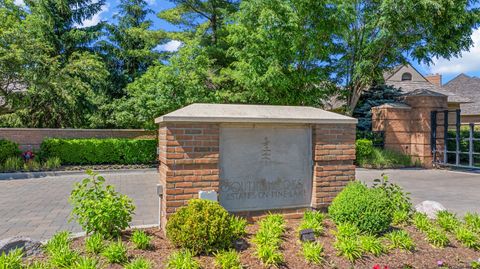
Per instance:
(265,168)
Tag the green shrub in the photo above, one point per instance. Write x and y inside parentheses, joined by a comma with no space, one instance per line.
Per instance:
(203,227)
(447,220)
(12,164)
(8,149)
(467,237)
(94,244)
(116,252)
(370,209)
(227,260)
(400,239)
(372,244)
(364,148)
(312,220)
(313,252)
(86,263)
(182,260)
(400,200)
(101,151)
(52,163)
(139,263)
(99,208)
(141,240)
(400,217)
(12,260)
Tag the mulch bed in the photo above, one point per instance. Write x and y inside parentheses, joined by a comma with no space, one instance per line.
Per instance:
(425,256)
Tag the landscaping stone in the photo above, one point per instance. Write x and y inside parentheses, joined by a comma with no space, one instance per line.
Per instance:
(430,208)
(30,247)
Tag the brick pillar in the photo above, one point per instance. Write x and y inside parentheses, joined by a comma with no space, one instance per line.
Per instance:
(333,156)
(189,157)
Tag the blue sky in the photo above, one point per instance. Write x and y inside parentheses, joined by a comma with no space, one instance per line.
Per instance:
(468,63)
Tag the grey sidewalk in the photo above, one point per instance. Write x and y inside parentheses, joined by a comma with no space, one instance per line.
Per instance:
(38,207)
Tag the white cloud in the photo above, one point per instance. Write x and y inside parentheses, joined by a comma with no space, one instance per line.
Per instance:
(19,3)
(95,19)
(151,2)
(170,46)
(469,61)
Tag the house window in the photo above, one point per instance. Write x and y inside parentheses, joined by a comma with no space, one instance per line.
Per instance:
(406,76)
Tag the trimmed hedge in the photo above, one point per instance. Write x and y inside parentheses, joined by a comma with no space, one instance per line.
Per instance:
(8,149)
(101,151)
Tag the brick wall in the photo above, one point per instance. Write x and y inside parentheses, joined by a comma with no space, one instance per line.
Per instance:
(334,153)
(31,138)
(189,156)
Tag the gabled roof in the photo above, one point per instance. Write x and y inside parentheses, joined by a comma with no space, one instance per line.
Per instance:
(466,87)
(231,113)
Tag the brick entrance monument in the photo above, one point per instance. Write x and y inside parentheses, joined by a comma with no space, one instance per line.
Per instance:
(407,125)
(255,158)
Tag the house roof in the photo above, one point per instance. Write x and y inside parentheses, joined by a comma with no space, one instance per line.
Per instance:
(466,87)
(253,114)
(421,83)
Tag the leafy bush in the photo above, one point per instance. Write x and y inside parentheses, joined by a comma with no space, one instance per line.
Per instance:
(86,263)
(12,260)
(370,209)
(364,148)
(182,260)
(13,164)
(139,263)
(400,239)
(99,208)
(141,239)
(372,244)
(312,220)
(204,227)
(94,244)
(8,149)
(116,252)
(227,260)
(313,252)
(101,151)
(447,220)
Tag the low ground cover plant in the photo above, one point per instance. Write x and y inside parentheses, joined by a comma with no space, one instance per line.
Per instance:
(447,220)
(16,164)
(116,252)
(347,242)
(139,263)
(141,240)
(12,260)
(94,244)
(472,221)
(101,151)
(467,237)
(372,244)
(312,220)
(369,156)
(400,239)
(269,238)
(227,260)
(204,226)
(98,208)
(313,252)
(86,263)
(182,259)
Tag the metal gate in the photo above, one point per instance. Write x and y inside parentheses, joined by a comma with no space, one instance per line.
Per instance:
(454,143)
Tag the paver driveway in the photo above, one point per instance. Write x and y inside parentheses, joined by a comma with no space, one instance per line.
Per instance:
(38,207)
(457,191)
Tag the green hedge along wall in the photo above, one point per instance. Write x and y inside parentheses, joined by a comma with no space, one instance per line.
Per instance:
(101,151)
(8,149)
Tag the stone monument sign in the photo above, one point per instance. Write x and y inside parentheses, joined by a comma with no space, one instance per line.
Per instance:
(256,158)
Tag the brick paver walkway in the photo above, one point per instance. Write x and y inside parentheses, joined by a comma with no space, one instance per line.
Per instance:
(38,207)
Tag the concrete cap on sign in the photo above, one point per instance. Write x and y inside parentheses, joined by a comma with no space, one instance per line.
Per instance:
(230,113)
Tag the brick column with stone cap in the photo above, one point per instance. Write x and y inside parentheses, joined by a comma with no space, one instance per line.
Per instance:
(190,153)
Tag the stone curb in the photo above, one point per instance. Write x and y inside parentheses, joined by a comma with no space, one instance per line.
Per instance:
(30,175)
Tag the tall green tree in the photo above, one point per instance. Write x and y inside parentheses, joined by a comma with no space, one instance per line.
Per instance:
(376,35)
(129,50)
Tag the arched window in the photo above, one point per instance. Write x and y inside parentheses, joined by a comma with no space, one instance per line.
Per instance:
(406,76)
